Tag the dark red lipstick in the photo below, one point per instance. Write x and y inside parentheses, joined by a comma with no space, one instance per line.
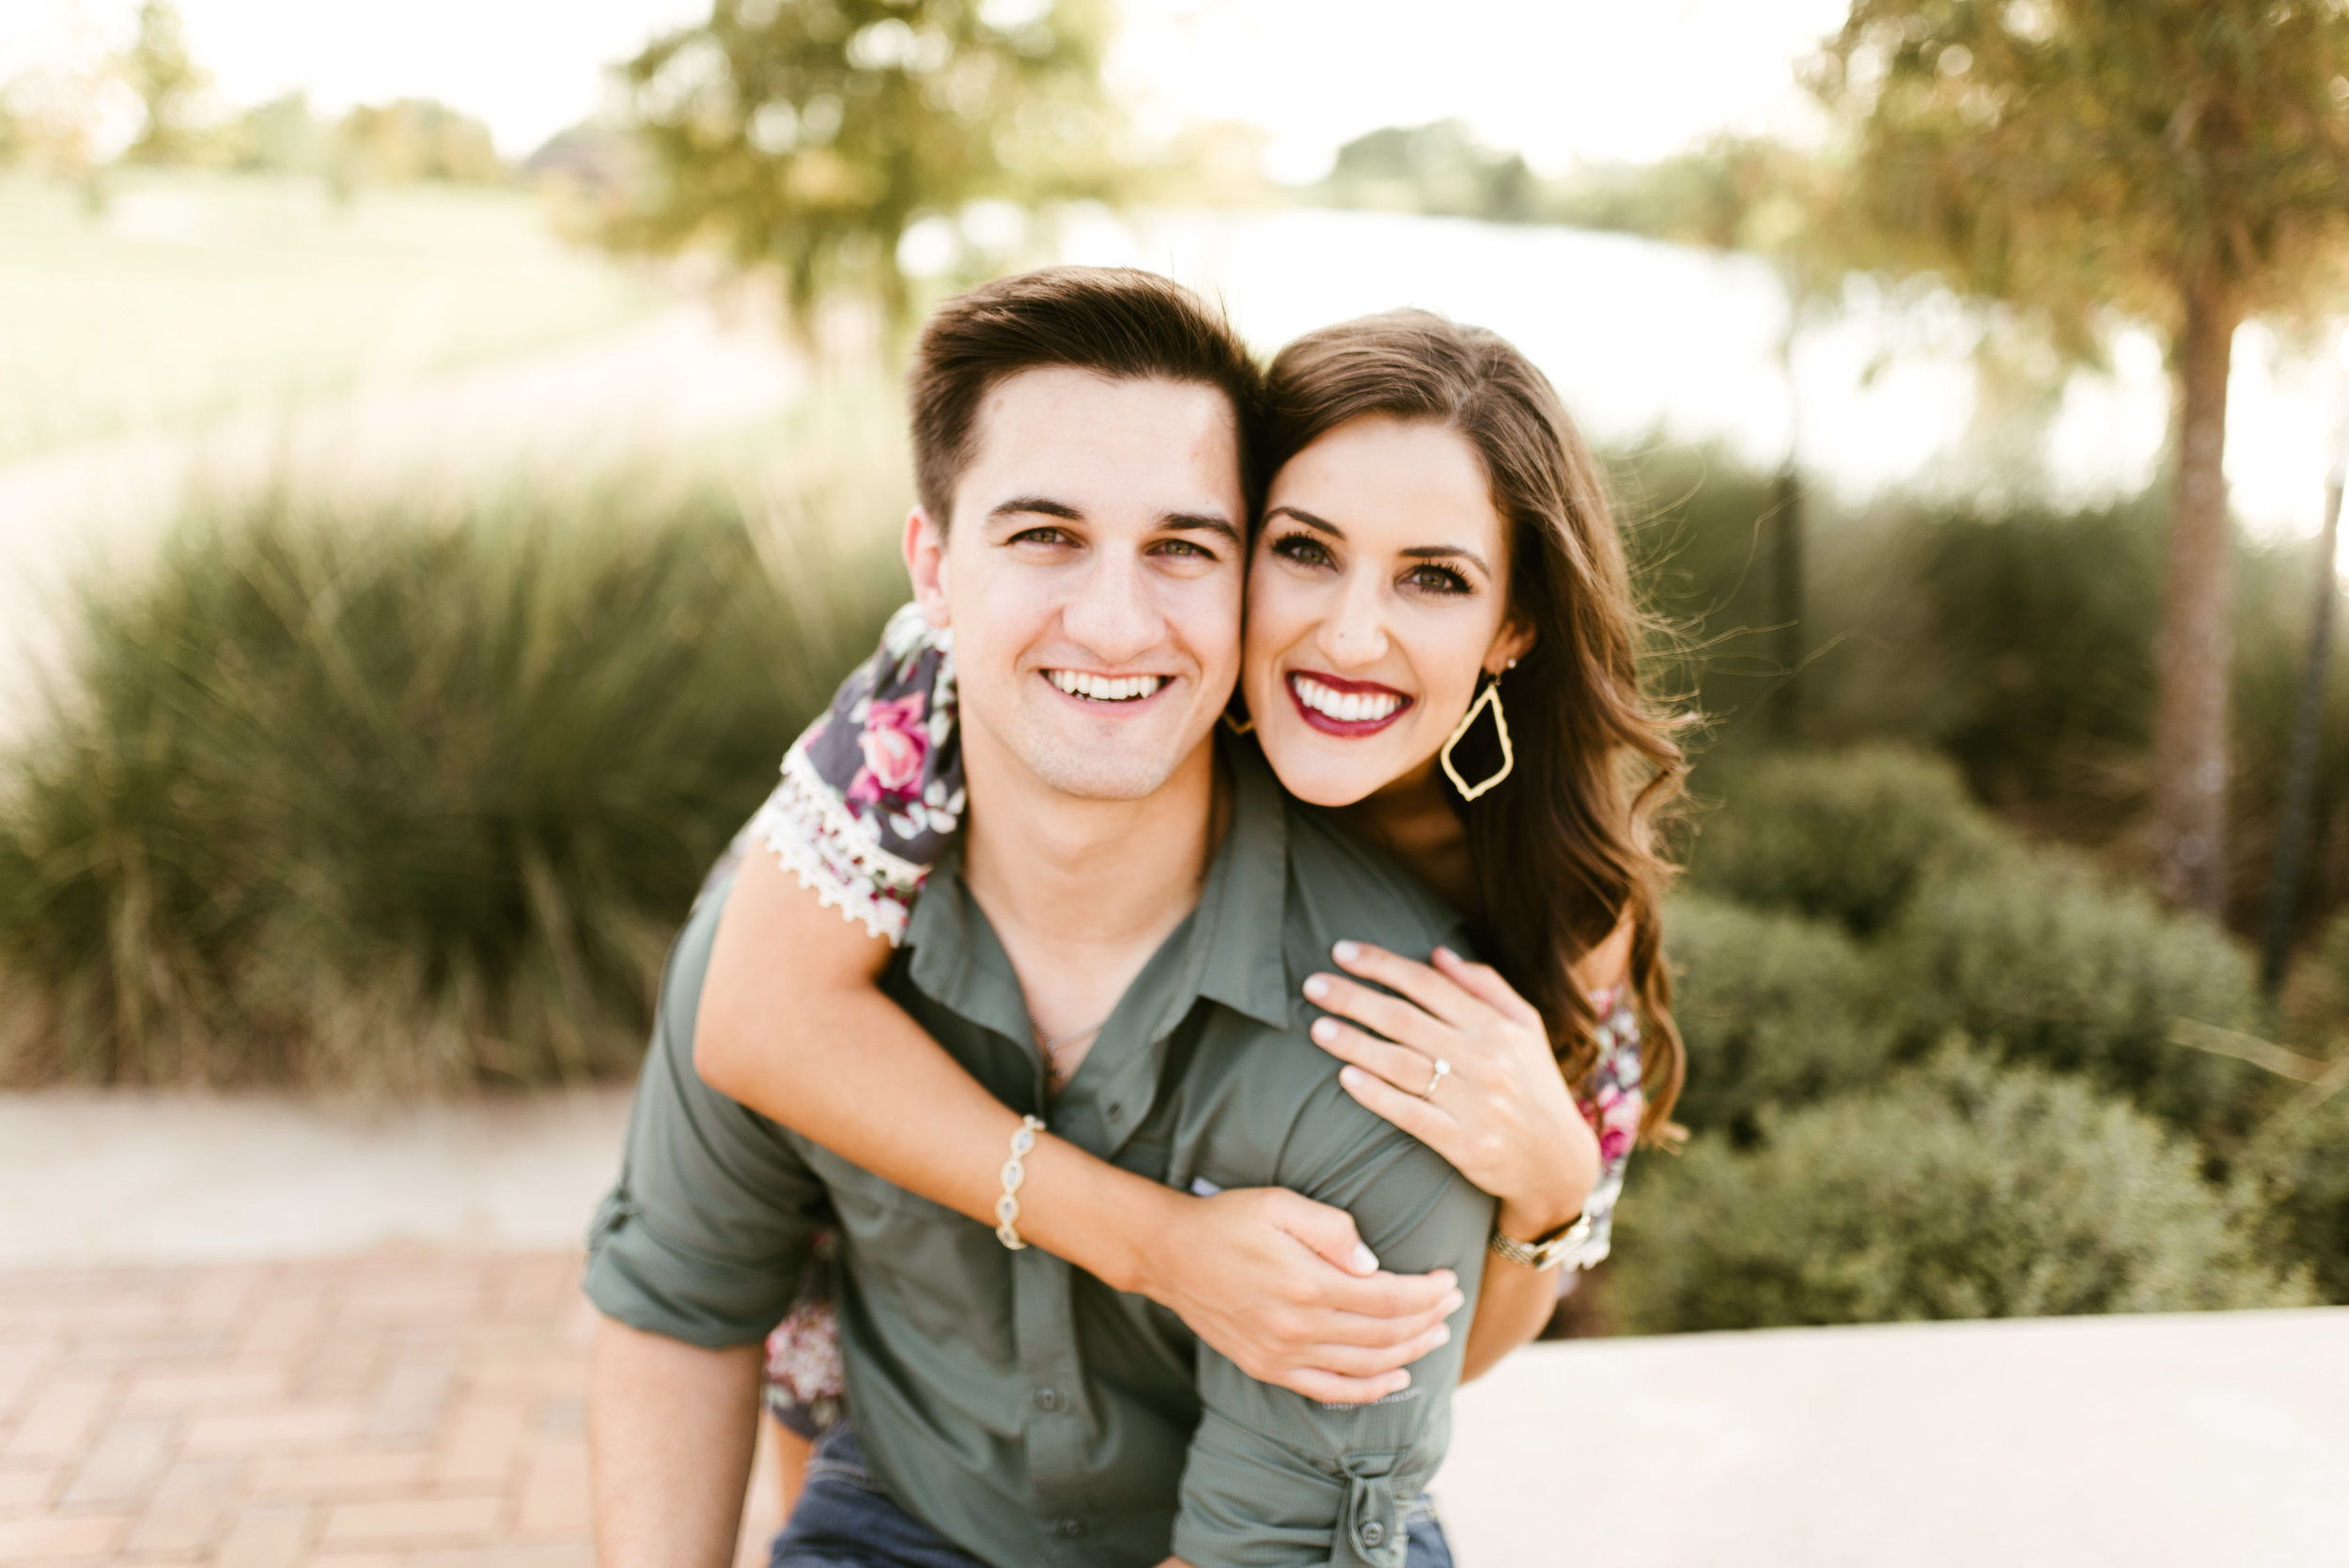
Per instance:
(1334,686)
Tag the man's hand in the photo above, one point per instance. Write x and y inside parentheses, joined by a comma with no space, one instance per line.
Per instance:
(1284,1287)
(670,1432)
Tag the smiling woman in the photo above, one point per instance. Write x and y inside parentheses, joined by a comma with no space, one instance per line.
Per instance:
(1434,521)
(1378,598)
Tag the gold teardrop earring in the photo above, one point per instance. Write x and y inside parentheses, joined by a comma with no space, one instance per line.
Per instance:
(1489,697)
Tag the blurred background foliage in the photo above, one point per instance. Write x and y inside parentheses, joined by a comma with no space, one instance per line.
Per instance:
(403,793)
(407,795)
(809,136)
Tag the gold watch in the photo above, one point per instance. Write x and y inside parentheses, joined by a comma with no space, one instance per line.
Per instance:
(1544,1251)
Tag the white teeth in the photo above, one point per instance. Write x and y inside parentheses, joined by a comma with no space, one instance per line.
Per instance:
(1346,707)
(1102,689)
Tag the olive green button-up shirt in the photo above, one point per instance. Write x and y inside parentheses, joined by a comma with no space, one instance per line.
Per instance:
(1018,1406)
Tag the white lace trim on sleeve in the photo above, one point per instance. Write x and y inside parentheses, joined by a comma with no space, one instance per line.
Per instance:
(818,840)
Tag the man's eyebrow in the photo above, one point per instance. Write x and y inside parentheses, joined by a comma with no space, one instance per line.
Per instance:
(1201,522)
(1035,505)
(1416,552)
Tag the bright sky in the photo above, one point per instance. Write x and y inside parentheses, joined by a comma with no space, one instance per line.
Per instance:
(1560,80)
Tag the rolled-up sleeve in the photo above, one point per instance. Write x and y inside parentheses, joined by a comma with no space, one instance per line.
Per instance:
(705,1235)
(1275,1480)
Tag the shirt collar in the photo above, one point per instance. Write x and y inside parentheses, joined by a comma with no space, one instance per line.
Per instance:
(956,959)
(1244,907)
(1232,943)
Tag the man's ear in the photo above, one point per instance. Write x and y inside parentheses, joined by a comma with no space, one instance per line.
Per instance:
(925,563)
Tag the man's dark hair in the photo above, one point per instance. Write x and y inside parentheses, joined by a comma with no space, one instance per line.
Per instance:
(1116,321)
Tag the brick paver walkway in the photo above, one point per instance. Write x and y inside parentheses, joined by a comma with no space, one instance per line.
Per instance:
(404,1407)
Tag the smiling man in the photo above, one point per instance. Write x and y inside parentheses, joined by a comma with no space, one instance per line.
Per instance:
(1080,438)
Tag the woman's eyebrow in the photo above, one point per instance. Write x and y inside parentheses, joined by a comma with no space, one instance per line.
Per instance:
(1448,552)
(1416,552)
(1321,524)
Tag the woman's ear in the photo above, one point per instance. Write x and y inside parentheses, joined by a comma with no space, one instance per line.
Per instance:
(925,563)
(1510,644)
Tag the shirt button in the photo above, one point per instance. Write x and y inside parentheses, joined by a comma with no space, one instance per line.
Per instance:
(1374,1534)
(1069,1530)
(1048,1400)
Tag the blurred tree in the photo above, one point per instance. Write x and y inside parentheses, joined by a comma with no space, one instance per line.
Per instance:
(1439,168)
(281,136)
(71,117)
(809,134)
(2183,160)
(416,139)
(169,84)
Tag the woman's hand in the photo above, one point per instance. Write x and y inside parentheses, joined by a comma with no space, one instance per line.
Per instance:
(1284,1288)
(1502,1115)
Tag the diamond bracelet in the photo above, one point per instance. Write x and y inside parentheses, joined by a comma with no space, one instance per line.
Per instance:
(1007,1207)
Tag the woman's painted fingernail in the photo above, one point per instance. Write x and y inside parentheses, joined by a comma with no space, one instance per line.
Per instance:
(1447,952)
(1325,1030)
(1365,1261)
(1317,986)
(1352,1076)
(1444,1333)
(1402,1381)
(1345,952)
(1453,1302)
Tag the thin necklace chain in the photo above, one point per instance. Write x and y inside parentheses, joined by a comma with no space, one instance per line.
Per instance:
(1052,1047)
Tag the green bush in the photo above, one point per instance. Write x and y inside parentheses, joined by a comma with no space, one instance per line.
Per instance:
(1846,836)
(1774,1010)
(2062,968)
(1959,1190)
(2304,1170)
(396,800)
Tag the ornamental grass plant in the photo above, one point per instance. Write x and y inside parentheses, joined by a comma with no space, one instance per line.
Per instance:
(405,795)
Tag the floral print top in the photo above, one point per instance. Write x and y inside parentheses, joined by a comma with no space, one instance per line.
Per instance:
(1611,1101)
(870,797)
(872,792)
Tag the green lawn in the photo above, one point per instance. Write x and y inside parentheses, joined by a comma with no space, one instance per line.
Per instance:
(192,296)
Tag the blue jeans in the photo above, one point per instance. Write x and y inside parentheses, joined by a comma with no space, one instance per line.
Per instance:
(844,1520)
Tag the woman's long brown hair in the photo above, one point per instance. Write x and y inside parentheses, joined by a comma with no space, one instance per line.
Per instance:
(1565,849)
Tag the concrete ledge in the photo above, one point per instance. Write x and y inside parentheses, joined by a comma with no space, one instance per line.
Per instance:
(117,1176)
(2203,1439)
